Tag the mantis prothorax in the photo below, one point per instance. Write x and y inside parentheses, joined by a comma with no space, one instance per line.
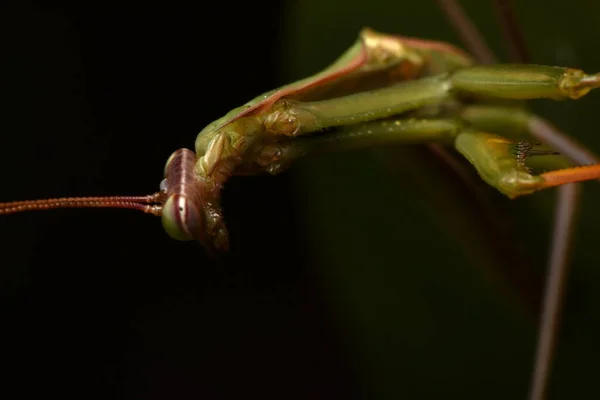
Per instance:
(385,89)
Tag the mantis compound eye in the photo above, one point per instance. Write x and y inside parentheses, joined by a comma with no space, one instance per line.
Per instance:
(181,218)
(182,214)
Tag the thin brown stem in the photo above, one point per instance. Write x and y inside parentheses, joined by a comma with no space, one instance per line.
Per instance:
(511,30)
(467,31)
(566,205)
(562,236)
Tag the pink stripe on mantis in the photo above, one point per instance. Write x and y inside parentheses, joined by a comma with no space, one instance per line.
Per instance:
(433,45)
(267,103)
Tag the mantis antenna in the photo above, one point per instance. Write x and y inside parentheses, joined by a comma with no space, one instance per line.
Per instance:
(151,204)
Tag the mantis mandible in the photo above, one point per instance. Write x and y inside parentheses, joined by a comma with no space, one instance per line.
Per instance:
(220,148)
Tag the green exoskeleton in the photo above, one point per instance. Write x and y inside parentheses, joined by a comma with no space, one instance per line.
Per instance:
(385,89)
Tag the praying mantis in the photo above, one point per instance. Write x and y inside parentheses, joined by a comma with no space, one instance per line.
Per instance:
(55,179)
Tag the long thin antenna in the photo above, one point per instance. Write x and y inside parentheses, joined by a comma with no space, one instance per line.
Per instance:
(151,204)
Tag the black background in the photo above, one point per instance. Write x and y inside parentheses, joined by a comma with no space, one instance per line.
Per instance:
(348,277)
(98,95)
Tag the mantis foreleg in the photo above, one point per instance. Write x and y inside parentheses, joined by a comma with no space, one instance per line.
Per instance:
(503,81)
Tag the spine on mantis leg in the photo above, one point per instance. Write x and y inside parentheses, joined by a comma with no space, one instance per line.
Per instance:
(520,125)
(494,159)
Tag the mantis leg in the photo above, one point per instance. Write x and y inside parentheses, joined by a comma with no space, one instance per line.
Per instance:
(503,81)
(276,157)
(523,81)
(494,159)
(519,124)
(294,118)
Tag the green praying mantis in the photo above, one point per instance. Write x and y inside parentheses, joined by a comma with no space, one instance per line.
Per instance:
(384,89)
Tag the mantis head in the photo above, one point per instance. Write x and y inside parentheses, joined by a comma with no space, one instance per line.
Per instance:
(188,206)
(191,209)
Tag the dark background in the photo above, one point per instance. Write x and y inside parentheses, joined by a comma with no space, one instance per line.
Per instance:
(374,274)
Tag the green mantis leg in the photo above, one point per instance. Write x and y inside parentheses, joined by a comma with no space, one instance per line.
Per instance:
(503,81)
(278,156)
(523,81)
(500,162)
(494,159)
(518,124)
(294,118)
(493,156)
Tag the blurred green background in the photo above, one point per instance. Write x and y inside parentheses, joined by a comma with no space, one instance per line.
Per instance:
(373,274)
(435,288)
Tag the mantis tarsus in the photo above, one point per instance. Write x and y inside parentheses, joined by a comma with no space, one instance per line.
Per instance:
(56,178)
